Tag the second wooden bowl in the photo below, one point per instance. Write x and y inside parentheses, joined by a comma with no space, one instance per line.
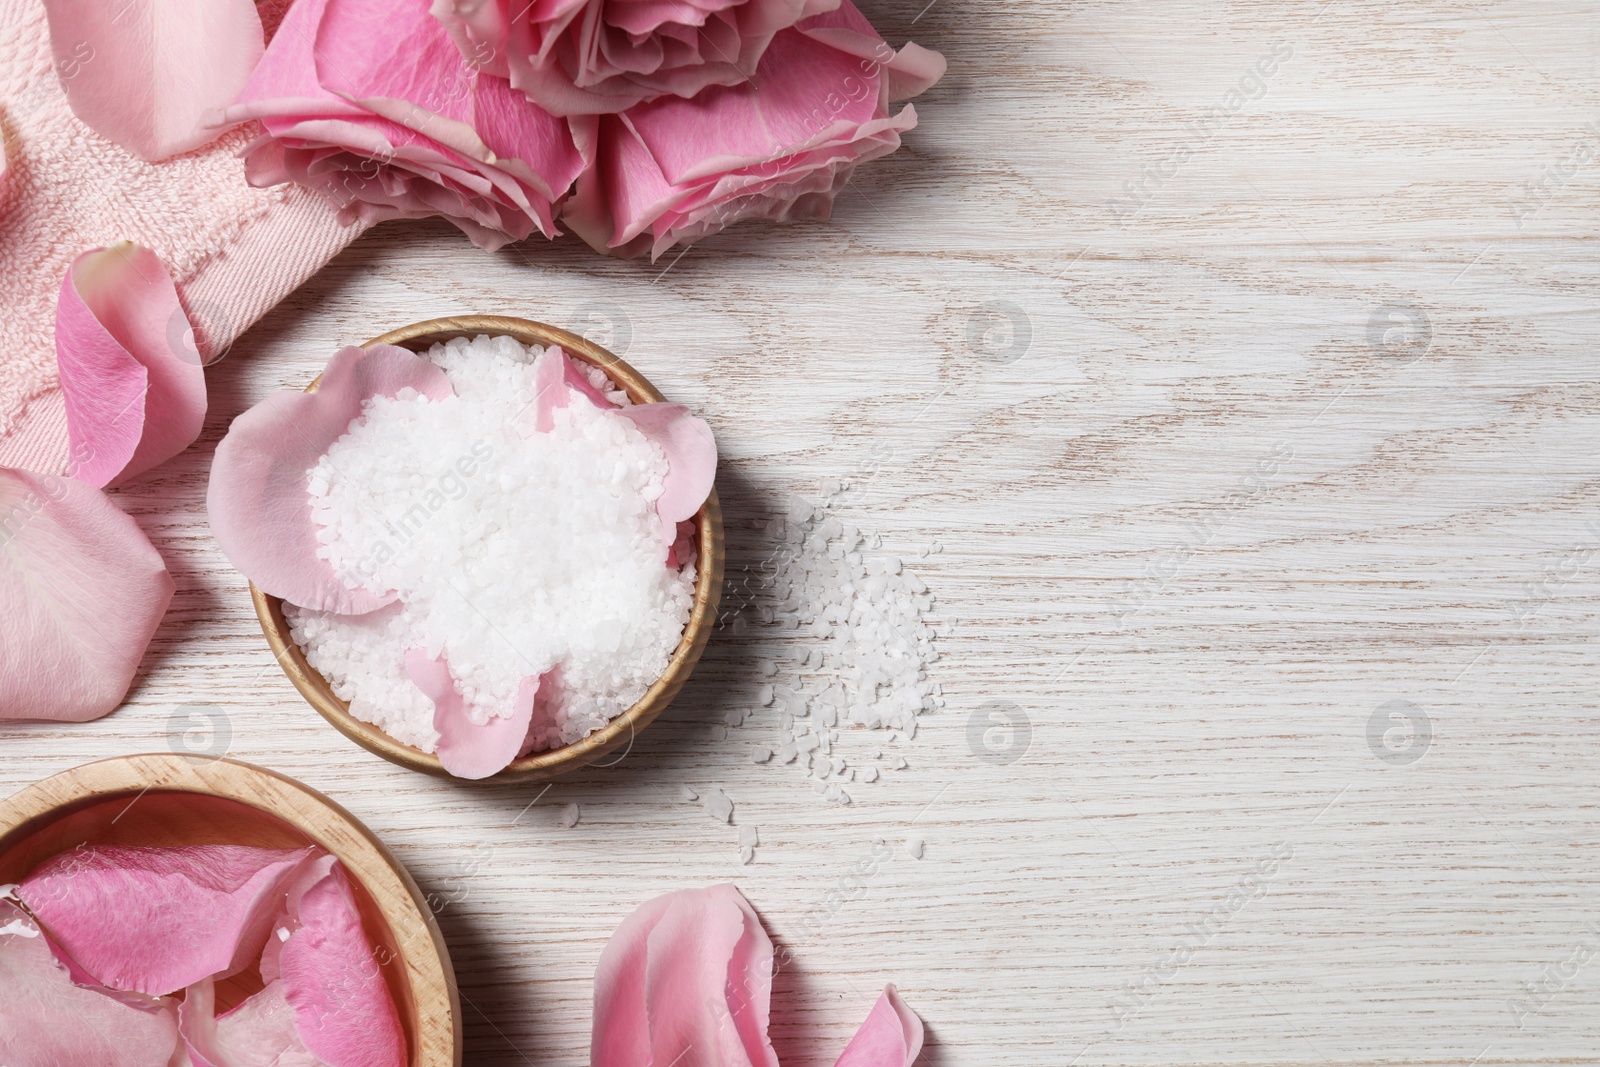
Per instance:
(619,732)
(167,800)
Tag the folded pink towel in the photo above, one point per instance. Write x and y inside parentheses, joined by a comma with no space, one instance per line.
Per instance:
(234,251)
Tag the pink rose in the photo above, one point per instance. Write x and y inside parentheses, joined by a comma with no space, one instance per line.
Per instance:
(369,102)
(593,57)
(779,147)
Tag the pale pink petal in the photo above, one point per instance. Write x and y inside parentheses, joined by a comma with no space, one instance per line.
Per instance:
(150,74)
(134,390)
(46,1019)
(154,920)
(691,460)
(686,979)
(549,388)
(81,593)
(891,1036)
(260,1032)
(332,978)
(258,502)
(466,749)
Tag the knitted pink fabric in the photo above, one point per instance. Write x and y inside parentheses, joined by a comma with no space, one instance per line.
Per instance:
(234,251)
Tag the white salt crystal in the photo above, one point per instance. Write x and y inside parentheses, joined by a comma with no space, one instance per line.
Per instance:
(746,854)
(768,668)
(749,837)
(787,753)
(688,793)
(869,774)
(569,816)
(513,556)
(735,717)
(764,695)
(898,763)
(914,847)
(760,754)
(718,806)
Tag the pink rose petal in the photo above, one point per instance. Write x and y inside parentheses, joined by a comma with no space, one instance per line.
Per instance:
(685,980)
(81,592)
(150,73)
(259,502)
(259,1032)
(154,920)
(778,146)
(134,390)
(466,749)
(46,1019)
(691,460)
(332,978)
(891,1036)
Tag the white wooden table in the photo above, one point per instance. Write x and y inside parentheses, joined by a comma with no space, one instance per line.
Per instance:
(1235,419)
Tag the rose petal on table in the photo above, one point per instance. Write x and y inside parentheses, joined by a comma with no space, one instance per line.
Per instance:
(131,379)
(82,591)
(687,978)
(150,73)
(891,1036)
(467,749)
(332,979)
(260,1030)
(47,1019)
(154,920)
(691,460)
(259,501)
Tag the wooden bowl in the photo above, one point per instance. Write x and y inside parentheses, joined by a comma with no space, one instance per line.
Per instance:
(166,800)
(619,732)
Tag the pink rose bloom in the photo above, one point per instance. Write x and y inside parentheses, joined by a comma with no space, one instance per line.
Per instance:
(369,102)
(780,147)
(594,57)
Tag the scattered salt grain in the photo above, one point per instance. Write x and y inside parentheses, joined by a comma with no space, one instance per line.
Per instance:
(512,556)
(760,753)
(688,793)
(869,774)
(569,816)
(764,695)
(914,847)
(718,806)
(746,855)
(749,837)
(735,717)
(898,763)
(768,668)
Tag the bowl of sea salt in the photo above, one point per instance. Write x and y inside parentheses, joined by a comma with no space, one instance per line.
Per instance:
(544,604)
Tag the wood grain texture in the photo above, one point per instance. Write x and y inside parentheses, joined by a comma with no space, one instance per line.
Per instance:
(1305,424)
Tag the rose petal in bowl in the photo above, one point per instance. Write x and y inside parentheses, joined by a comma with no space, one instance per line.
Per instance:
(257,1033)
(47,1019)
(259,501)
(134,390)
(81,591)
(343,1011)
(691,460)
(154,920)
(467,749)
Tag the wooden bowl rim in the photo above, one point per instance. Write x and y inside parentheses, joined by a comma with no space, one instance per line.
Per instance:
(539,766)
(401,902)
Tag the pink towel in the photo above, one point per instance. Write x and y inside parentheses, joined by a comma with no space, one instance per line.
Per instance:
(234,251)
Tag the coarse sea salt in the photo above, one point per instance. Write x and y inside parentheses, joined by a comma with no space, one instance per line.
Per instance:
(847,640)
(513,554)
